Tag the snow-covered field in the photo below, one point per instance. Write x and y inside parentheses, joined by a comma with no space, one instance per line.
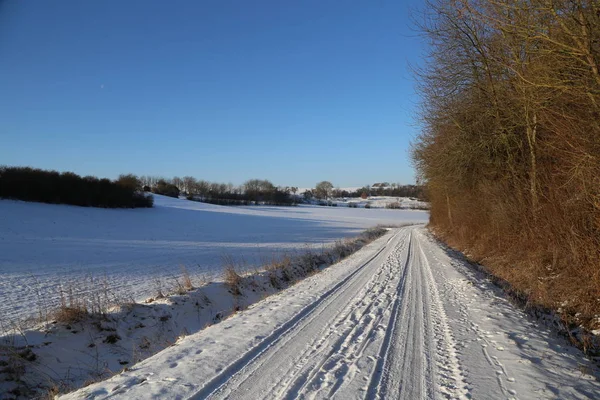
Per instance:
(383,202)
(45,247)
(400,319)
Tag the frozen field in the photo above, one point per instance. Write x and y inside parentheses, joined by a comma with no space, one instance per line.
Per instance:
(43,246)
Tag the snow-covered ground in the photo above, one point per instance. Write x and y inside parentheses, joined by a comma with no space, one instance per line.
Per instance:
(405,203)
(65,353)
(399,203)
(45,247)
(399,319)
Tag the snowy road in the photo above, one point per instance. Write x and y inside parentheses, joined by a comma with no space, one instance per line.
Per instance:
(401,319)
(378,319)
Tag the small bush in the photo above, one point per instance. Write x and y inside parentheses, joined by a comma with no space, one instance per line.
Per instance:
(342,249)
(233,279)
(166,189)
(70,315)
(373,233)
(187,280)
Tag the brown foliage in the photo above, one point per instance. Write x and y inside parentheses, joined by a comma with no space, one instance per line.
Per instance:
(70,315)
(232,279)
(510,151)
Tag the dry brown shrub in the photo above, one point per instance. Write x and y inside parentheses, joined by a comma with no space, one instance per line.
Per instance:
(187,280)
(232,279)
(70,315)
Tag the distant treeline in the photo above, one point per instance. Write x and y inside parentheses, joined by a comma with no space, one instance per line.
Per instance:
(31,184)
(325,190)
(129,191)
(394,190)
(254,191)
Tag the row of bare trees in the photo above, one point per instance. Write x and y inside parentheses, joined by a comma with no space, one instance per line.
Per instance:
(510,150)
(325,190)
(393,190)
(253,191)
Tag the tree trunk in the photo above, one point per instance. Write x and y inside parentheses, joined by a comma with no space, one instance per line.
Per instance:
(449,210)
(531,140)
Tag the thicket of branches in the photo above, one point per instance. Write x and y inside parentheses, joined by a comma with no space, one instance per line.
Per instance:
(30,184)
(511,141)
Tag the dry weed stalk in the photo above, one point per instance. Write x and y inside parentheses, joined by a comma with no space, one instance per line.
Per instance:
(232,279)
(187,280)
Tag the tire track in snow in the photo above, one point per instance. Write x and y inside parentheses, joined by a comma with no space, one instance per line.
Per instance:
(341,367)
(403,369)
(419,359)
(379,377)
(451,381)
(462,303)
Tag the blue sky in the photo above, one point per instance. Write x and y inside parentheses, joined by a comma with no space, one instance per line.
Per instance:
(291,91)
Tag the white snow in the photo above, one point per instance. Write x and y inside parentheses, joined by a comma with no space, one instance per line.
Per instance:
(45,247)
(68,353)
(399,319)
(383,202)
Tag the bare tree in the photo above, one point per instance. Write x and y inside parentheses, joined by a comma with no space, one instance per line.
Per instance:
(189,184)
(177,181)
(323,190)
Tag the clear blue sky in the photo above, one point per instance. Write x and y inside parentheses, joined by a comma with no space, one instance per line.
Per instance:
(291,91)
